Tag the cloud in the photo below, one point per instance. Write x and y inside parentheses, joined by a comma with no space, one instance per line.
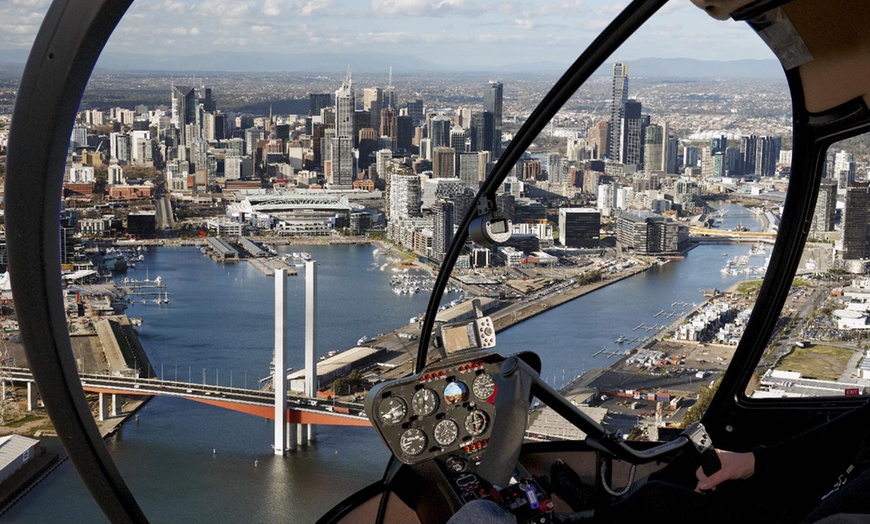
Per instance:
(524,23)
(272,7)
(419,7)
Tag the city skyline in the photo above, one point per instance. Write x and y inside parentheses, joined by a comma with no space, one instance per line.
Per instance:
(442,34)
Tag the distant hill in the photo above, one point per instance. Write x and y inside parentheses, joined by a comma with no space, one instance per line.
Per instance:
(367,62)
(671,68)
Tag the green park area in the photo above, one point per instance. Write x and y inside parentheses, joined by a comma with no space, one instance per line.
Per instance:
(818,362)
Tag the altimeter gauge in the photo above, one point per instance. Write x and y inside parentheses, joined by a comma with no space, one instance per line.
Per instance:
(424,402)
(445,432)
(476,422)
(483,386)
(392,410)
(413,442)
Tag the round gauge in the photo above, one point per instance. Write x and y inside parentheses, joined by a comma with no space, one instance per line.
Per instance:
(413,442)
(455,393)
(445,432)
(483,386)
(456,464)
(475,422)
(424,402)
(392,410)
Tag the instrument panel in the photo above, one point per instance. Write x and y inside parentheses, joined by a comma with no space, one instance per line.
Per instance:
(446,409)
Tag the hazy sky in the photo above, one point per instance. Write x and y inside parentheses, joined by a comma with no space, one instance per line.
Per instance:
(466,32)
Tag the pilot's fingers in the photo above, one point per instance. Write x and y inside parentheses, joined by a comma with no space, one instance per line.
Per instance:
(708,483)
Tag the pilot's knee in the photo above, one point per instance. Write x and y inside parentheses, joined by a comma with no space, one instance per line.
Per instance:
(482,512)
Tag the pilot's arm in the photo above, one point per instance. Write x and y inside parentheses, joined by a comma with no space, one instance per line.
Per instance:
(823,452)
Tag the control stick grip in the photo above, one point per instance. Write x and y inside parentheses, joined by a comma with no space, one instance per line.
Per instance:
(710,461)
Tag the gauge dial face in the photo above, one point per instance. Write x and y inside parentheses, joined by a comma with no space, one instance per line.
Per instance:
(392,410)
(455,393)
(476,422)
(456,464)
(483,386)
(424,402)
(445,432)
(413,442)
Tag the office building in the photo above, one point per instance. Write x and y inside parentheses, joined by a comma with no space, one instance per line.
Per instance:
(856,223)
(493,101)
(579,227)
(184,109)
(345,107)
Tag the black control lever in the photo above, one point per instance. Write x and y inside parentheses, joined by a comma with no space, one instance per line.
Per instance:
(512,403)
(697,435)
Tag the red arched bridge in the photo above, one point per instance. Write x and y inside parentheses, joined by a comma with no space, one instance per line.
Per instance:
(300,409)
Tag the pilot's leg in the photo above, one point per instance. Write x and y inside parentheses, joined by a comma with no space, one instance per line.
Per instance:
(482,512)
(851,498)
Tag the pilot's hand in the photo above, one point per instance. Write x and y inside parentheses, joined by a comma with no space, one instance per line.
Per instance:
(735,466)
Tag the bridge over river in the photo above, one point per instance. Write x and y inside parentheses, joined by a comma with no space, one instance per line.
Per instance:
(300,409)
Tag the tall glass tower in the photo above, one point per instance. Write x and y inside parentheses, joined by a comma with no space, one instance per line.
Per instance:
(618,97)
(493,100)
(345,105)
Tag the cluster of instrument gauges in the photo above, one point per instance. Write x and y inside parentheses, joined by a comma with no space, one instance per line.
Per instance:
(438,411)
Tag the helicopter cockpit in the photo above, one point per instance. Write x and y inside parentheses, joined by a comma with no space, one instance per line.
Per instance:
(457,426)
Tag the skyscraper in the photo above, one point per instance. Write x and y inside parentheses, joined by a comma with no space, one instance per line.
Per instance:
(481,131)
(844,169)
(345,105)
(653,149)
(318,101)
(826,206)
(442,230)
(632,132)
(342,163)
(389,94)
(618,98)
(493,100)
(184,109)
(372,103)
(439,132)
(415,111)
(443,160)
(767,155)
(856,223)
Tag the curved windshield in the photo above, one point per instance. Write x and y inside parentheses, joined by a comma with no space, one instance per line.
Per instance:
(637,220)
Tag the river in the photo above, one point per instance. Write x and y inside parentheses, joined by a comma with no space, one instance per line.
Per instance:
(188,462)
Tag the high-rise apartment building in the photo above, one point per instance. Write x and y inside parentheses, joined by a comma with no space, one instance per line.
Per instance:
(443,162)
(654,149)
(493,102)
(406,197)
(826,206)
(598,139)
(618,98)
(442,229)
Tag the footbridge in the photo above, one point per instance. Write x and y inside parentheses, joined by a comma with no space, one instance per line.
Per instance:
(300,409)
(744,236)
